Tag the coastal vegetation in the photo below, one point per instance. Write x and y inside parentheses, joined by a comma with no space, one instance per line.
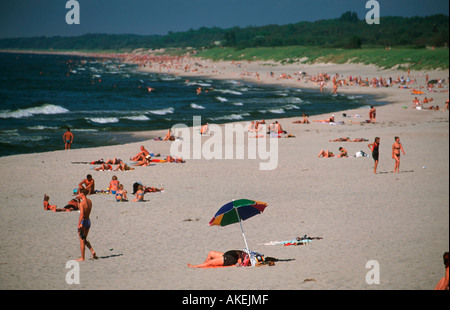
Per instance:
(415,42)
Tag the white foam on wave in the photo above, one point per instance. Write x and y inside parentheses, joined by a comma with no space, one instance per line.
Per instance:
(277,111)
(103,120)
(84,130)
(291,107)
(41,127)
(197,106)
(137,118)
(294,100)
(229,91)
(231,117)
(17,139)
(237,103)
(222,99)
(162,111)
(44,109)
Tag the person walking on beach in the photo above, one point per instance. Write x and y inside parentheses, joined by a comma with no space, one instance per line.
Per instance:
(396,147)
(375,149)
(84,224)
(68,139)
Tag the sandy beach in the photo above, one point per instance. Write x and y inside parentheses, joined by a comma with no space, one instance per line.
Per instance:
(400,220)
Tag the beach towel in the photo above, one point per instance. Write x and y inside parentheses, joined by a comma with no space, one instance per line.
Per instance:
(297,241)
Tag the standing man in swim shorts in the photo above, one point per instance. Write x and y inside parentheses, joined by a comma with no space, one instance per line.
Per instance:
(84,224)
(68,139)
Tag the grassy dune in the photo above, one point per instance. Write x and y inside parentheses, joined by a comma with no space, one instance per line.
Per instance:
(400,58)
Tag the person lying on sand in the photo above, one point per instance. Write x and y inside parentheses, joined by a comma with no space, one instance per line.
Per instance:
(114,161)
(303,121)
(104,167)
(123,167)
(174,159)
(347,139)
(72,205)
(54,208)
(150,189)
(325,154)
(219,259)
(144,162)
(328,120)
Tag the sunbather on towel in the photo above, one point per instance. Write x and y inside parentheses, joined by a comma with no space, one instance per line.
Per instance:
(219,259)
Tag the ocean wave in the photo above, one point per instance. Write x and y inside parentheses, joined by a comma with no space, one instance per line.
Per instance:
(294,100)
(137,118)
(21,139)
(232,117)
(190,83)
(222,99)
(229,91)
(237,103)
(103,120)
(40,127)
(84,130)
(291,107)
(44,109)
(354,97)
(197,106)
(277,111)
(162,111)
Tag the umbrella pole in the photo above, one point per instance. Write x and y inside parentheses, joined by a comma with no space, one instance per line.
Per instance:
(243,235)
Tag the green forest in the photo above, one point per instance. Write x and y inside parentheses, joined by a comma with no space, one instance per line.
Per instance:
(348,32)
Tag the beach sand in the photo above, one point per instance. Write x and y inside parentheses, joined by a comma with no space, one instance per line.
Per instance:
(400,220)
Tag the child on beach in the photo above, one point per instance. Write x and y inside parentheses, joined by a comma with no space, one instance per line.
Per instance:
(121,194)
(343,152)
(139,194)
(114,185)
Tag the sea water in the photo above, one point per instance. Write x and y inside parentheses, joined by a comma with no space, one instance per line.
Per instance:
(103,101)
